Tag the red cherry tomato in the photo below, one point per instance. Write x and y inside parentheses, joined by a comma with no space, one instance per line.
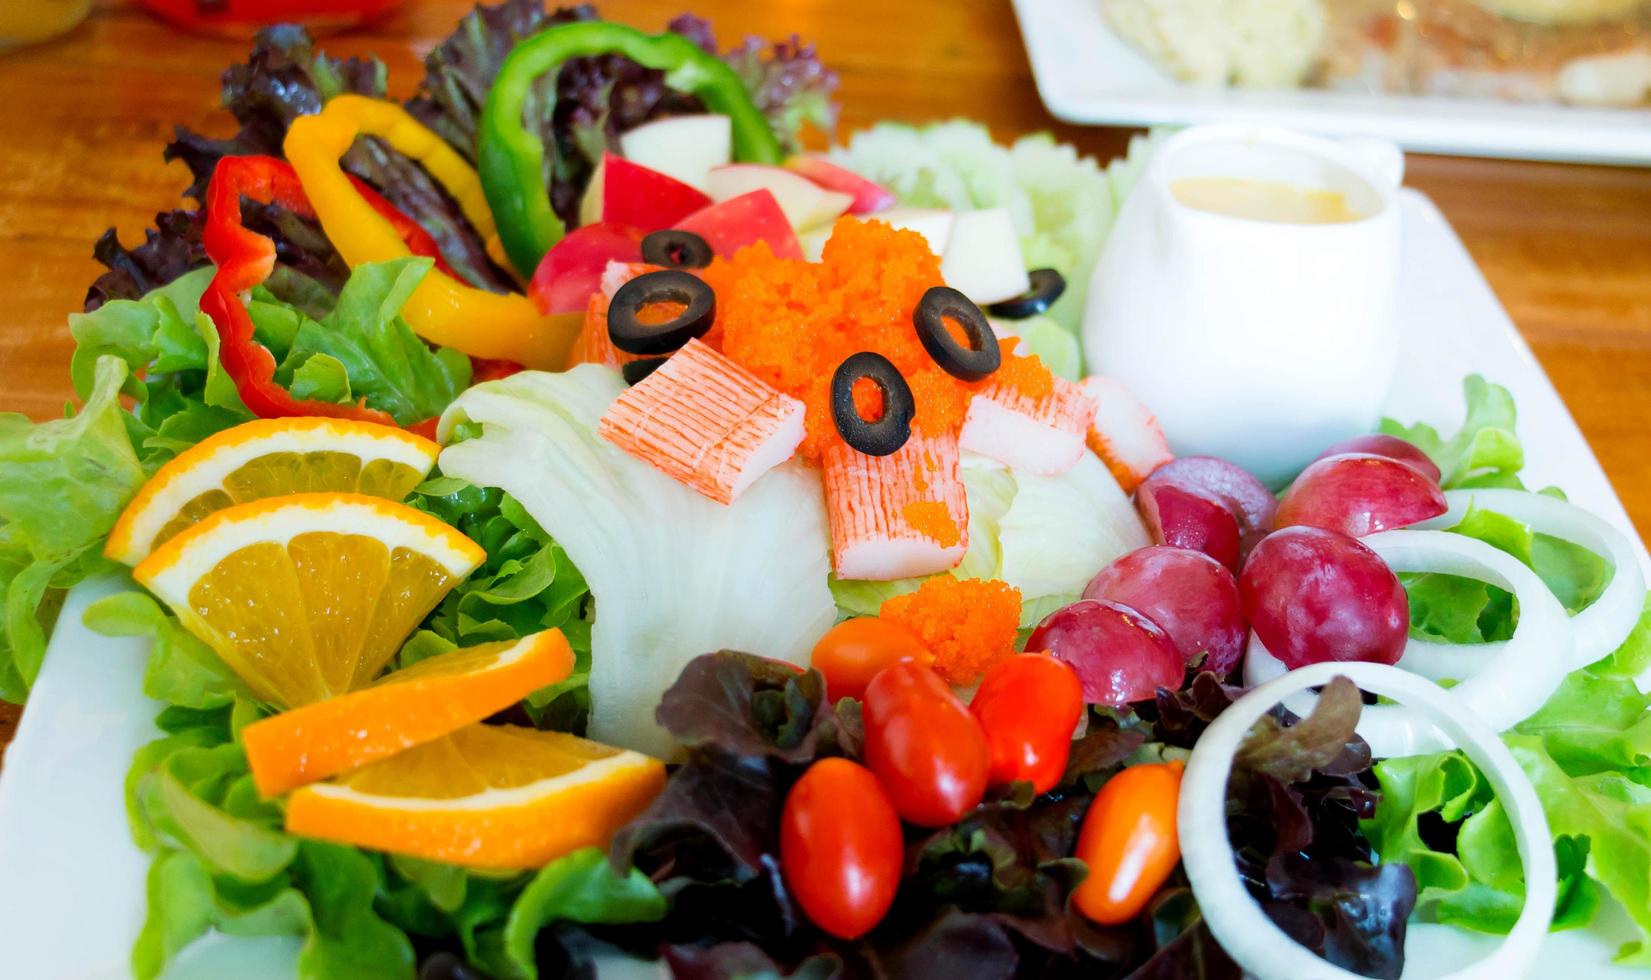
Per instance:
(841,848)
(851,653)
(1029,707)
(1129,841)
(924,746)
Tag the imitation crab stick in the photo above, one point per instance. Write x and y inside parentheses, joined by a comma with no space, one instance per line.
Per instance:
(1124,434)
(594,346)
(896,516)
(1039,434)
(706,422)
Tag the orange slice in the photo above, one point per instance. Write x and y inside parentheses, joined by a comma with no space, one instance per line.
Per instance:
(486,796)
(406,708)
(308,596)
(269,458)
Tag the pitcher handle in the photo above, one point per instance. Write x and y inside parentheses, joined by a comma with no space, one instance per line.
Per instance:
(1382,159)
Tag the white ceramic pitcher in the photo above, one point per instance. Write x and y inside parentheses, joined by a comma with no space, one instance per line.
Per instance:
(1258,341)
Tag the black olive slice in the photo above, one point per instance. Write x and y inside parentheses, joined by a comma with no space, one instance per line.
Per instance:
(971,363)
(674,248)
(889,432)
(635,371)
(1047,286)
(632,336)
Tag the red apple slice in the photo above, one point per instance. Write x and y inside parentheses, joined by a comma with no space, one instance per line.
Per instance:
(572,269)
(805,204)
(644,198)
(866,196)
(684,147)
(731,225)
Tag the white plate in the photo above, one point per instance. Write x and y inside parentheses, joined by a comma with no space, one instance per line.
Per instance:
(71,881)
(1086,74)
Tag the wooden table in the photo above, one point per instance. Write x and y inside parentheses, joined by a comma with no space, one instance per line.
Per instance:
(82,122)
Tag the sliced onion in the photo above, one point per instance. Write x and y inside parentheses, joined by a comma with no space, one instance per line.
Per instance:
(1237,921)
(1606,623)
(1502,683)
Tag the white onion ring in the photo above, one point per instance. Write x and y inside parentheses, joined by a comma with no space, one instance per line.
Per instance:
(1502,683)
(1606,623)
(1237,921)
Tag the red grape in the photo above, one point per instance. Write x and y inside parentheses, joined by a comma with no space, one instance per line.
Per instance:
(1360,494)
(1313,595)
(1187,593)
(1390,446)
(1181,519)
(1227,484)
(1118,654)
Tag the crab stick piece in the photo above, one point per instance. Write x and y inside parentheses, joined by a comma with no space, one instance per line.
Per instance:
(1124,434)
(896,516)
(592,345)
(706,422)
(1039,435)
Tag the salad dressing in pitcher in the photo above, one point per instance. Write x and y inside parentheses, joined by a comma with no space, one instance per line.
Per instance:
(1264,200)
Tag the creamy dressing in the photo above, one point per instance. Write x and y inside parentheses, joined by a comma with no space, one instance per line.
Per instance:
(1264,200)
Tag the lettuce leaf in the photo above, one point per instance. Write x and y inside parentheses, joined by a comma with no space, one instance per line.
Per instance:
(364,349)
(528,583)
(285,77)
(1484,452)
(580,110)
(785,79)
(580,887)
(170,249)
(62,485)
(1586,752)
(751,575)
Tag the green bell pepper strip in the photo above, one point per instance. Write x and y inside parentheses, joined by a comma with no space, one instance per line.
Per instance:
(511,159)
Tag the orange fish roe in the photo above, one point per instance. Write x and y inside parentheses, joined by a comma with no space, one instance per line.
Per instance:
(792,323)
(969,623)
(932,518)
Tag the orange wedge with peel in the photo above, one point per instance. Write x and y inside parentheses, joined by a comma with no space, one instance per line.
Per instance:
(486,796)
(409,707)
(268,458)
(308,596)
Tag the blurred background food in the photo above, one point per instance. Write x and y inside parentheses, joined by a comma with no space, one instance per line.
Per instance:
(1591,52)
(27,21)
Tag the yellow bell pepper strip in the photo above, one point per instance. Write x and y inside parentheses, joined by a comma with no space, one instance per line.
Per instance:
(442,309)
(512,159)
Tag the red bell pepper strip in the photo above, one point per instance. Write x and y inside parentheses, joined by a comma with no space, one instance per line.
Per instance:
(245,259)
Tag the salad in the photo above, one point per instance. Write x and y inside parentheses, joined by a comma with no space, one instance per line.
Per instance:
(575,524)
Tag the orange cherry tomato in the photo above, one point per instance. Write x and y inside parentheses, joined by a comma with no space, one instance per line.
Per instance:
(924,746)
(1029,707)
(1129,841)
(841,849)
(851,653)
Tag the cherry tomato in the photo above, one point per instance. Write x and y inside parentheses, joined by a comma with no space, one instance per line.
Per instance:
(1029,707)
(924,745)
(841,848)
(1129,841)
(851,653)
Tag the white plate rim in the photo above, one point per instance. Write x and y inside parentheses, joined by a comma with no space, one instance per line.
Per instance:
(1085,74)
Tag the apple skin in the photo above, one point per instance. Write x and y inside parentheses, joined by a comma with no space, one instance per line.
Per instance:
(684,147)
(730,225)
(641,197)
(867,196)
(573,267)
(805,204)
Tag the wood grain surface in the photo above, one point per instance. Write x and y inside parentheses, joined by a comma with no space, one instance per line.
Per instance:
(83,120)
